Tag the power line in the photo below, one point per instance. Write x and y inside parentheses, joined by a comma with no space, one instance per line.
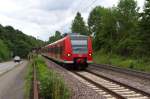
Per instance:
(78,7)
(86,8)
(80,4)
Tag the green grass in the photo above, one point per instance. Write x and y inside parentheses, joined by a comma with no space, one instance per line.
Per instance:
(28,82)
(140,64)
(52,86)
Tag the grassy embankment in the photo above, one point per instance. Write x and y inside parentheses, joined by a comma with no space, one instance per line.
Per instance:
(28,81)
(52,86)
(140,64)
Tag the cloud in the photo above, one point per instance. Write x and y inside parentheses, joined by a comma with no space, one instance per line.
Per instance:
(41,18)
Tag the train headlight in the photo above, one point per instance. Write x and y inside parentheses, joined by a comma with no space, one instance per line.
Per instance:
(90,54)
(68,55)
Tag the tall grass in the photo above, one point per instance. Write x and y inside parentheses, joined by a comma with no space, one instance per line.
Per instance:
(52,86)
(141,64)
(28,82)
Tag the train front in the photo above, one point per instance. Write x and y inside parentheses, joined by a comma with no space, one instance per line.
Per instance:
(81,48)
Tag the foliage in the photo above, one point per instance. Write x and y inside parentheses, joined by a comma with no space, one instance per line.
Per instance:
(4,51)
(103,57)
(145,28)
(52,86)
(18,43)
(78,25)
(127,18)
(116,29)
(121,34)
(28,82)
(56,37)
(102,23)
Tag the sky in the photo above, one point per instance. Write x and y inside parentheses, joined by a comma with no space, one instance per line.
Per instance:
(41,18)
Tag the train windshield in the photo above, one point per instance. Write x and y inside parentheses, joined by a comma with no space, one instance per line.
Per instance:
(79,46)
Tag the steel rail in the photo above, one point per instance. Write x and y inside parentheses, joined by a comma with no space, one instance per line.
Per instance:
(123,70)
(118,96)
(119,83)
(113,93)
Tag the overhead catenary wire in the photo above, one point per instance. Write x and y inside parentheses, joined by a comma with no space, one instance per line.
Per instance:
(86,8)
(78,9)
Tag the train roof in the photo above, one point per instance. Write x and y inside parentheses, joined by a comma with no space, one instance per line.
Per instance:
(72,36)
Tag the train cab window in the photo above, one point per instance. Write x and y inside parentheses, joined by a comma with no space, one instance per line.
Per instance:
(79,46)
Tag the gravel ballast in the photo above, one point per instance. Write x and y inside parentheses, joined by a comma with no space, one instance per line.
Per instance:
(140,83)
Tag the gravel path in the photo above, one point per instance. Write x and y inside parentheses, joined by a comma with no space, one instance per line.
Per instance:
(12,82)
(124,78)
(78,89)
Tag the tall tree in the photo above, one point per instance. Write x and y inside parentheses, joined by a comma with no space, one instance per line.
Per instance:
(4,51)
(17,42)
(115,29)
(78,25)
(145,27)
(94,19)
(56,37)
(102,23)
(127,18)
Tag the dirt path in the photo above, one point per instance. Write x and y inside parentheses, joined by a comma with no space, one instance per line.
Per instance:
(12,82)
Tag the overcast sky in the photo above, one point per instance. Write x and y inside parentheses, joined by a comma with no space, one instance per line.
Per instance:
(41,18)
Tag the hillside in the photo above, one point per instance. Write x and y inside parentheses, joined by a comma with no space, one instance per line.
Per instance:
(15,42)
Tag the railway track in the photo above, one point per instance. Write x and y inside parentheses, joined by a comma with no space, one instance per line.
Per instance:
(110,88)
(135,73)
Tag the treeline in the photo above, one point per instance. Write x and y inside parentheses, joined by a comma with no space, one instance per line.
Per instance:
(55,37)
(14,42)
(122,29)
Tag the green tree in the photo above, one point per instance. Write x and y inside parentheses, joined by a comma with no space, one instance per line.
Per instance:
(127,18)
(102,23)
(145,28)
(78,25)
(116,29)
(4,51)
(56,37)
(22,49)
(17,42)
(94,19)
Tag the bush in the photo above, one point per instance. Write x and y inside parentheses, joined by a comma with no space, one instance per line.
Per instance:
(141,64)
(28,82)
(52,86)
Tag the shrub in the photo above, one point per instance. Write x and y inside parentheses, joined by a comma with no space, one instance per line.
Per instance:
(52,86)
(28,82)
(141,64)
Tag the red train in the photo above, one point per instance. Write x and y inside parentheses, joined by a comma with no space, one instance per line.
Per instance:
(73,49)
